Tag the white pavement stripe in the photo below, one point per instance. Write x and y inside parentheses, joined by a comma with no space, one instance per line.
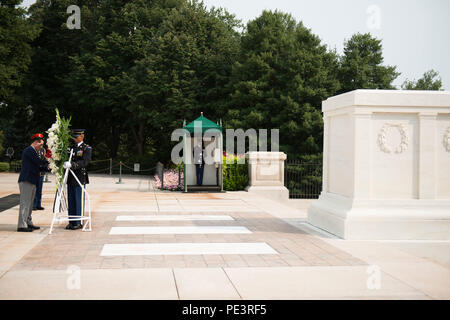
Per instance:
(120,209)
(176,210)
(178,230)
(206,209)
(148,249)
(174,218)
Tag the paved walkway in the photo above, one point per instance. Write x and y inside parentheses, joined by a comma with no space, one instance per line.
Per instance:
(164,245)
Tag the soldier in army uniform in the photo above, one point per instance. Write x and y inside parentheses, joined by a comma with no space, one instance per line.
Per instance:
(81,156)
(199,161)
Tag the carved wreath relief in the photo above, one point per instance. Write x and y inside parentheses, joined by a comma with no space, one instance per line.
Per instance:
(447,139)
(403,134)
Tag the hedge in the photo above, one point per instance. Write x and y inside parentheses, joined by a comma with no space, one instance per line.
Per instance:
(4,166)
(235,176)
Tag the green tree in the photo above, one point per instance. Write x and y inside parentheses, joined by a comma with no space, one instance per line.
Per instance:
(2,148)
(280,80)
(185,65)
(43,88)
(361,65)
(151,64)
(17,128)
(16,34)
(97,67)
(429,81)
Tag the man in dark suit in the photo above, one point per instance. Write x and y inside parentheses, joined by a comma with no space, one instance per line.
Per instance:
(82,154)
(29,176)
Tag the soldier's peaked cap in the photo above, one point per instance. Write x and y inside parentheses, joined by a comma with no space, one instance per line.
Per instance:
(77,132)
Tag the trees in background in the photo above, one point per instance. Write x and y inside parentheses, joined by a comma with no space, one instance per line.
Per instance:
(181,70)
(131,73)
(2,137)
(137,68)
(279,81)
(430,81)
(361,65)
(16,34)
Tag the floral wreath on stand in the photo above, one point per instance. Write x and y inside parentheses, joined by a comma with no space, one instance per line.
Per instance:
(58,142)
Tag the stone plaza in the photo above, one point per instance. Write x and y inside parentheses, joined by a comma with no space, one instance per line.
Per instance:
(308,263)
(380,229)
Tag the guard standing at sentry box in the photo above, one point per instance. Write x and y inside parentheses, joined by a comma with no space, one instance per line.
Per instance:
(199,161)
(82,154)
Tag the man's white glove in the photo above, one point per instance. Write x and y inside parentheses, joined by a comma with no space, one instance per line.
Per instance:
(67,165)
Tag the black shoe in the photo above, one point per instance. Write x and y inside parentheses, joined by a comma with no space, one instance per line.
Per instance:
(24,229)
(69,227)
(78,226)
(34,209)
(40,208)
(32,227)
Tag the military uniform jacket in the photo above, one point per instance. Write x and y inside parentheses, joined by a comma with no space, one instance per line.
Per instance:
(81,156)
(41,154)
(199,155)
(31,166)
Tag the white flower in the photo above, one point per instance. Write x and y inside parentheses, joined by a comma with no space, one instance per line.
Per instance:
(50,142)
(53,167)
(54,127)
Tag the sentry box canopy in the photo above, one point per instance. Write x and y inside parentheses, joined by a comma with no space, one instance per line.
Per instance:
(202,155)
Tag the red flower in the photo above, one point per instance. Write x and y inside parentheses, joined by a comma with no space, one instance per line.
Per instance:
(48,153)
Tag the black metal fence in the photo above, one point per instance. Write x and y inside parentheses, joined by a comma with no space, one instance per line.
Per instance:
(116,167)
(303,179)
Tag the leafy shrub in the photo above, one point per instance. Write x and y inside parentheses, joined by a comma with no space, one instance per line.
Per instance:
(235,176)
(172,181)
(2,137)
(4,166)
(16,164)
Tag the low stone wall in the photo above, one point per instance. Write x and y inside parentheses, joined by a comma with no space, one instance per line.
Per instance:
(266,174)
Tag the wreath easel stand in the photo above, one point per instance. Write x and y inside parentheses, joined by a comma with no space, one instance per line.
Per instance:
(60,204)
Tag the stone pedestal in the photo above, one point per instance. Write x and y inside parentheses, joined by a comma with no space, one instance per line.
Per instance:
(386,166)
(266,175)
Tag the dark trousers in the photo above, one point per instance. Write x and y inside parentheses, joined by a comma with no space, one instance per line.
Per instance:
(38,196)
(75,203)
(199,173)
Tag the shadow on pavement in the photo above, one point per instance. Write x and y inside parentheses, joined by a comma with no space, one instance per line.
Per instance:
(9,201)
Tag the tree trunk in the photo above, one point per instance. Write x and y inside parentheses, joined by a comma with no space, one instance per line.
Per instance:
(139,137)
(115,134)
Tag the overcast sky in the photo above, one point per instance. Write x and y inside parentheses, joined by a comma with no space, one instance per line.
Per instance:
(415,33)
